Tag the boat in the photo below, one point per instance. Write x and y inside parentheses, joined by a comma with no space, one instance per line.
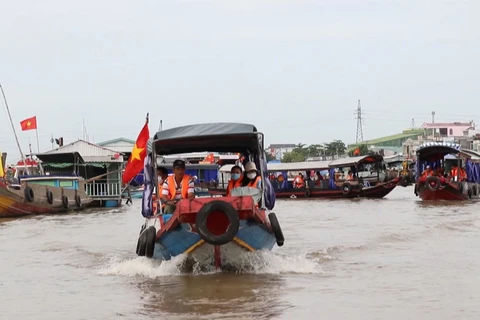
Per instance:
(210,231)
(399,165)
(33,191)
(442,186)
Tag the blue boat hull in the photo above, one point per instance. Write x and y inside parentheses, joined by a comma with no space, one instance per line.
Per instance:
(251,236)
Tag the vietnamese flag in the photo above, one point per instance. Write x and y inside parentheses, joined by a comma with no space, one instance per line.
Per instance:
(356,152)
(29,124)
(139,152)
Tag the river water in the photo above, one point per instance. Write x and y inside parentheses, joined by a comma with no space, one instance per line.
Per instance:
(394,258)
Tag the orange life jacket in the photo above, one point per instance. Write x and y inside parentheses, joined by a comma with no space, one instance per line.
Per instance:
(349,177)
(463,174)
(233,184)
(171,186)
(253,183)
(299,182)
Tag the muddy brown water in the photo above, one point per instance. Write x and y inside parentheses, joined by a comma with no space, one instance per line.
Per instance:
(394,258)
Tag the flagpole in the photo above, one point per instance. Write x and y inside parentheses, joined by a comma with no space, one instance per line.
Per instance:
(38,143)
(146,120)
(11,123)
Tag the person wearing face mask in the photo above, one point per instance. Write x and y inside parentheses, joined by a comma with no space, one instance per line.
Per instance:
(254,180)
(235,181)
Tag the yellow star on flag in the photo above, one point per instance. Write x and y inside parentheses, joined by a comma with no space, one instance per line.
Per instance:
(29,124)
(136,153)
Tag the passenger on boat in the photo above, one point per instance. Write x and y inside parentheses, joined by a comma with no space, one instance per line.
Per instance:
(349,176)
(253,179)
(299,182)
(427,172)
(236,179)
(162,174)
(176,187)
(462,175)
(280,178)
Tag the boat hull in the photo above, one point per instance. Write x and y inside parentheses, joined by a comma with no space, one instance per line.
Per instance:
(449,191)
(177,234)
(378,191)
(14,204)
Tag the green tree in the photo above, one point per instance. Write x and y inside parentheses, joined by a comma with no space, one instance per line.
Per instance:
(268,155)
(293,156)
(363,151)
(336,147)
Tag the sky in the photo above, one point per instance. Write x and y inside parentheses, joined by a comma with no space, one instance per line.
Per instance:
(295,69)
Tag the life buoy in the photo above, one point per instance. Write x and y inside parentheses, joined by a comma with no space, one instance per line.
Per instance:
(307,193)
(49,195)
(346,188)
(432,183)
(29,195)
(78,201)
(65,202)
(231,229)
(150,237)
(277,230)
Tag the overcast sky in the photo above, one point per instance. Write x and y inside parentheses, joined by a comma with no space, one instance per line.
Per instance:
(293,68)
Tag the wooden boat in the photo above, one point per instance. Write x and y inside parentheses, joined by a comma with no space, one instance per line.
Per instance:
(368,183)
(43,193)
(212,230)
(443,187)
(400,166)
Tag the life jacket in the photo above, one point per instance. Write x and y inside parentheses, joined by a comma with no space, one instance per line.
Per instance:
(350,177)
(253,183)
(173,191)
(299,182)
(463,174)
(454,172)
(233,184)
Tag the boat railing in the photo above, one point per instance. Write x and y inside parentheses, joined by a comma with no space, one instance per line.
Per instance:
(103,190)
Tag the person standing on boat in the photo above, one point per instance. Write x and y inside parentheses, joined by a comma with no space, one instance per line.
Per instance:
(235,181)
(176,187)
(253,178)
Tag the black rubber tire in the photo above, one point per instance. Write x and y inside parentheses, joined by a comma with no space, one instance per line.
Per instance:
(78,201)
(405,181)
(65,202)
(29,195)
(201,222)
(277,230)
(150,236)
(474,190)
(415,190)
(346,188)
(432,179)
(142,244)
(49,195)
(307,193)
(469,192)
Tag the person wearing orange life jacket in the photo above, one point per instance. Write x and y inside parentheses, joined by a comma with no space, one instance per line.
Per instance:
(254,180)
(162,175)
(235,181)
(427,172)
(177,187)
(349,176)
(299,182)
(463,174)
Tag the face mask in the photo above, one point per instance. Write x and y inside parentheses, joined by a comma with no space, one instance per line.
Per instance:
(235,176)
(251,175)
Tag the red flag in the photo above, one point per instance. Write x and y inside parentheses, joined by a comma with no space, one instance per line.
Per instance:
(29,124)
(356,152)
(135,162)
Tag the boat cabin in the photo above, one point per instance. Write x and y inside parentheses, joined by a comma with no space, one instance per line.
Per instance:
(368,170)
(439,156)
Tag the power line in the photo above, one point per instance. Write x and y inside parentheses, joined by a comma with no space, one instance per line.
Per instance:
(358,116)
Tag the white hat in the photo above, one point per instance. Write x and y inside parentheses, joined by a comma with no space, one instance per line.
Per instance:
(250,166)
(428,167)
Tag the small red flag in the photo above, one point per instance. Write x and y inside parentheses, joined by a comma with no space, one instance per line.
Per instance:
(139,152)
(29,124)
(356,152)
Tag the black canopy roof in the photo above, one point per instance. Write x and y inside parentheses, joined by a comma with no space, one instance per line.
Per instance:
(66,157)
(215,137)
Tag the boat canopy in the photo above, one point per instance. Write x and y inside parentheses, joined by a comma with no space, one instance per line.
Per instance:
(471,155)
(188,166)
(227,168)
(298,166)
(437,150)
(345,162)
(66,157)
(215,137)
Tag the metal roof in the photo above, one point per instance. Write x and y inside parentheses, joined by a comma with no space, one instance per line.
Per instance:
(66,157)
(86,149)
(215,137)
(298,166)
(355,160)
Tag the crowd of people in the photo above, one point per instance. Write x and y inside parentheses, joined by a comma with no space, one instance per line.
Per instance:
(455,172)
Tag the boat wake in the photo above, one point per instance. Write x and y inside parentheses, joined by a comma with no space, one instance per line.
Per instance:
(250,263)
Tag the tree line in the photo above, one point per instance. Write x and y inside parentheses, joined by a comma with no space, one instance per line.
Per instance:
(336,148)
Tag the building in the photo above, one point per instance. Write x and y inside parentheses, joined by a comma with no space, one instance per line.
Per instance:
(120,145)
(103,164)
(278,150)
(447,130)
(393,142)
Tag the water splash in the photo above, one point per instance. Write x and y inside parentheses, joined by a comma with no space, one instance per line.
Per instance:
(251,262)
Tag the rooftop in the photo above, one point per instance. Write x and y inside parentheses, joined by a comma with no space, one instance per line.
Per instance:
(405,134)
(447,124)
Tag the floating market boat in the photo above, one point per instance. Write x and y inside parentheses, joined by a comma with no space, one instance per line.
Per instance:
(443,183)
(211,230)
(32,191)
